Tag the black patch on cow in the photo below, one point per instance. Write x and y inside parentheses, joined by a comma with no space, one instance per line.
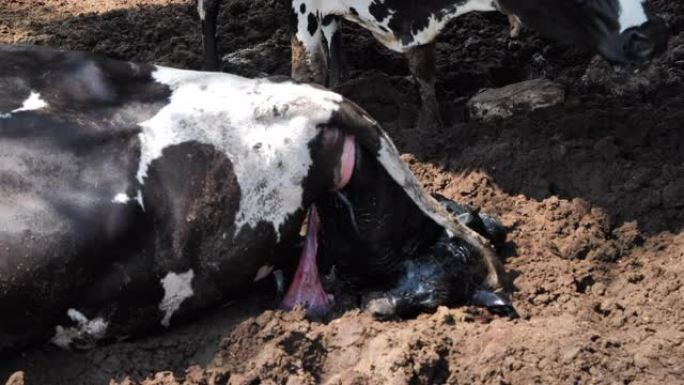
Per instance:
(86,139)
(406,39)
(379,10)
(86,96)
(73,81)
(207,196)
(100,231)
(353,120)
(393,228)
(13,92)
(328,19)
(406,18)
(312,25)
(302,8)
(326,150)
(353,11)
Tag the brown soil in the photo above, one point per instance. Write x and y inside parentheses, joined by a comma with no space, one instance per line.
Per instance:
(593,193)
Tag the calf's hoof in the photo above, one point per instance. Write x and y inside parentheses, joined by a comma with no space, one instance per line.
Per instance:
(485,224)
(496,303)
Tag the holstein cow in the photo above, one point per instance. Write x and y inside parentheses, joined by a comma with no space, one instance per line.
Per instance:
(133,196)
(620,30)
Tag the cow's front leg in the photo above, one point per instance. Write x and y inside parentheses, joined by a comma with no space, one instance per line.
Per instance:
(308,54)
(208,13)
(333,36)
(421,61)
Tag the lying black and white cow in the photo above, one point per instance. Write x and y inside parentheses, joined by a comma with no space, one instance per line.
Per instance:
(132,196)
(620,30)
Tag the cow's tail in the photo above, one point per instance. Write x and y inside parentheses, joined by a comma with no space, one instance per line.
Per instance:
(371,136)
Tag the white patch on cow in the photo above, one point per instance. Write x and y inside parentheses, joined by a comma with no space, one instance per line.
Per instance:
(177,288)
(85,333)
(260,125)
(139,199)
(121,198)
(77,316)
(124,198)
(263,272)
(33,102)
(200,10)
(632,14)
(329,30)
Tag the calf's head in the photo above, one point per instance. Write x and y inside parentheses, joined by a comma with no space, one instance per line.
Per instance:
(622,31)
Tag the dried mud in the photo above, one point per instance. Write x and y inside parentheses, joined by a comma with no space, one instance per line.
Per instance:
(592,192)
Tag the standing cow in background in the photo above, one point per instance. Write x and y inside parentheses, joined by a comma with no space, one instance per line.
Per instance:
(619,30)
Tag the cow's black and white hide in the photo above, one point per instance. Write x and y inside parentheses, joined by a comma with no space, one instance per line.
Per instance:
(132,196)
(620,30)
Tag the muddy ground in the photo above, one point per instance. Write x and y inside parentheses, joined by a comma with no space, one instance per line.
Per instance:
(592,192)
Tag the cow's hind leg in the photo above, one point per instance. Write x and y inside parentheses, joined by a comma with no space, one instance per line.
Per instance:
(421,61)
(308,55)
(208,13)
(333,36)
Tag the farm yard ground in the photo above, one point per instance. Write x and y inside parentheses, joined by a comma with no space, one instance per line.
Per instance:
(591,190)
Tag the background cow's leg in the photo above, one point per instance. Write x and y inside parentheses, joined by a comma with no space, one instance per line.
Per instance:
(308,55)
(333,36)
(208,13)
(421,61)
